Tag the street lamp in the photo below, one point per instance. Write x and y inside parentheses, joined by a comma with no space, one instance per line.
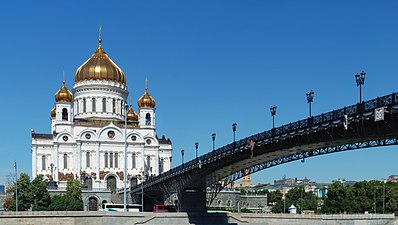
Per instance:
(196,148)
(142,189)
(272,109)
(374,200)
(16,186)
(234,129)
(182,156)
(310,99)
(125,160)
(360,79)
(213,137)
(384,195)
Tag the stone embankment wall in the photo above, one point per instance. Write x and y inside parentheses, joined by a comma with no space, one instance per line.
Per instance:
(120,218)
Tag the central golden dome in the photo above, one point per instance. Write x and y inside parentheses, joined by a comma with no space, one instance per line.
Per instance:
(100,67)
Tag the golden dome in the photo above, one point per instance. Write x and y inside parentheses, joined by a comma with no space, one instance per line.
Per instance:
(146,100)
(131,115)
(63,94)
(100,67)
(52,113)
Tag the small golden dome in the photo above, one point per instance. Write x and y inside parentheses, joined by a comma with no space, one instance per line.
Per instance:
(131,115)
(146,100)
(100,67)
(63,94)
(52,113)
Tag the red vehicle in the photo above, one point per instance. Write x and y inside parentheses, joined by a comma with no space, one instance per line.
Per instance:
(160,208)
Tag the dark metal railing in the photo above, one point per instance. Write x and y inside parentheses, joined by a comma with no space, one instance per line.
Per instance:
(274,134)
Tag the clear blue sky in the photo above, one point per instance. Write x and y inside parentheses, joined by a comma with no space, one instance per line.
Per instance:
(209,64)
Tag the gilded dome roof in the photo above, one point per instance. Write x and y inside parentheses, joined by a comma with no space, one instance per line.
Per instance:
(146,100)
(131,115)
(63,94)
(52,113)
(100,67)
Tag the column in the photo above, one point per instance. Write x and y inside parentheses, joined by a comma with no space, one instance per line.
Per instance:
(78,158)
(98,162)
(55,159)
(34,161)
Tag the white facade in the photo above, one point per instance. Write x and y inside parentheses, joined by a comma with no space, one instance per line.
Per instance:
(88,133)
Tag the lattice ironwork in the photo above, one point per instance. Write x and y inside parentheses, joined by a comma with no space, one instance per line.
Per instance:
(302,155)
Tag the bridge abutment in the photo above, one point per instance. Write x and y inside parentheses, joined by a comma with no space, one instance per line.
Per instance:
(192,201)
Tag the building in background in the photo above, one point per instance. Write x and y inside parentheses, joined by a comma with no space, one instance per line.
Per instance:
(90,128)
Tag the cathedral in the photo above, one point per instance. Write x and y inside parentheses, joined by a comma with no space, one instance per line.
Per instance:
(91,128)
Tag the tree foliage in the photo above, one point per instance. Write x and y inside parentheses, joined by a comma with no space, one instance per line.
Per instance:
(371,196)
(297,197)
(71,201)
(40,196)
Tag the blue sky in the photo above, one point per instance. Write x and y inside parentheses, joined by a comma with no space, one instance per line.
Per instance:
(209,64)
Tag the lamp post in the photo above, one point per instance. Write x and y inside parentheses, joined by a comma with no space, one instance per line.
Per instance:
(16,186)
(234,129)
(272,109)
(374,198)
(213,137)
(310,99)
(196,148)
(142,189)
(360,79)
(182,156)
(384,195)
(125,160)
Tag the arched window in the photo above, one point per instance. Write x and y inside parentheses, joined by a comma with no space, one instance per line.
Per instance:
(65,161)
(110,160)
(64,114)
(148,162)
(104,105)
(93,101)
(148,119)
(114,105)
(84,105)
(116,160)
(77,106)
(161,166)
(88,159)
(133,162)
(43,162)
(229,203)
(219,202)
(106,160)
(170,159)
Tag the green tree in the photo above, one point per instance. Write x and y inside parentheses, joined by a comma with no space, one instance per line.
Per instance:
(24,194)
(274,196)
(363,192)
(71,201)
(298,197)
(41,197)
(340,199)
(391,197)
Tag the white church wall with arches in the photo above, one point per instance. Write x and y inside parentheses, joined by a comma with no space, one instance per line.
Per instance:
(87,139)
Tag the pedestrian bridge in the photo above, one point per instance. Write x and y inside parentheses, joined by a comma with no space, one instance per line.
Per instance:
(367,124)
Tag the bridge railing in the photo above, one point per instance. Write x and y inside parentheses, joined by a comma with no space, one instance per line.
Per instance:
(274,134)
